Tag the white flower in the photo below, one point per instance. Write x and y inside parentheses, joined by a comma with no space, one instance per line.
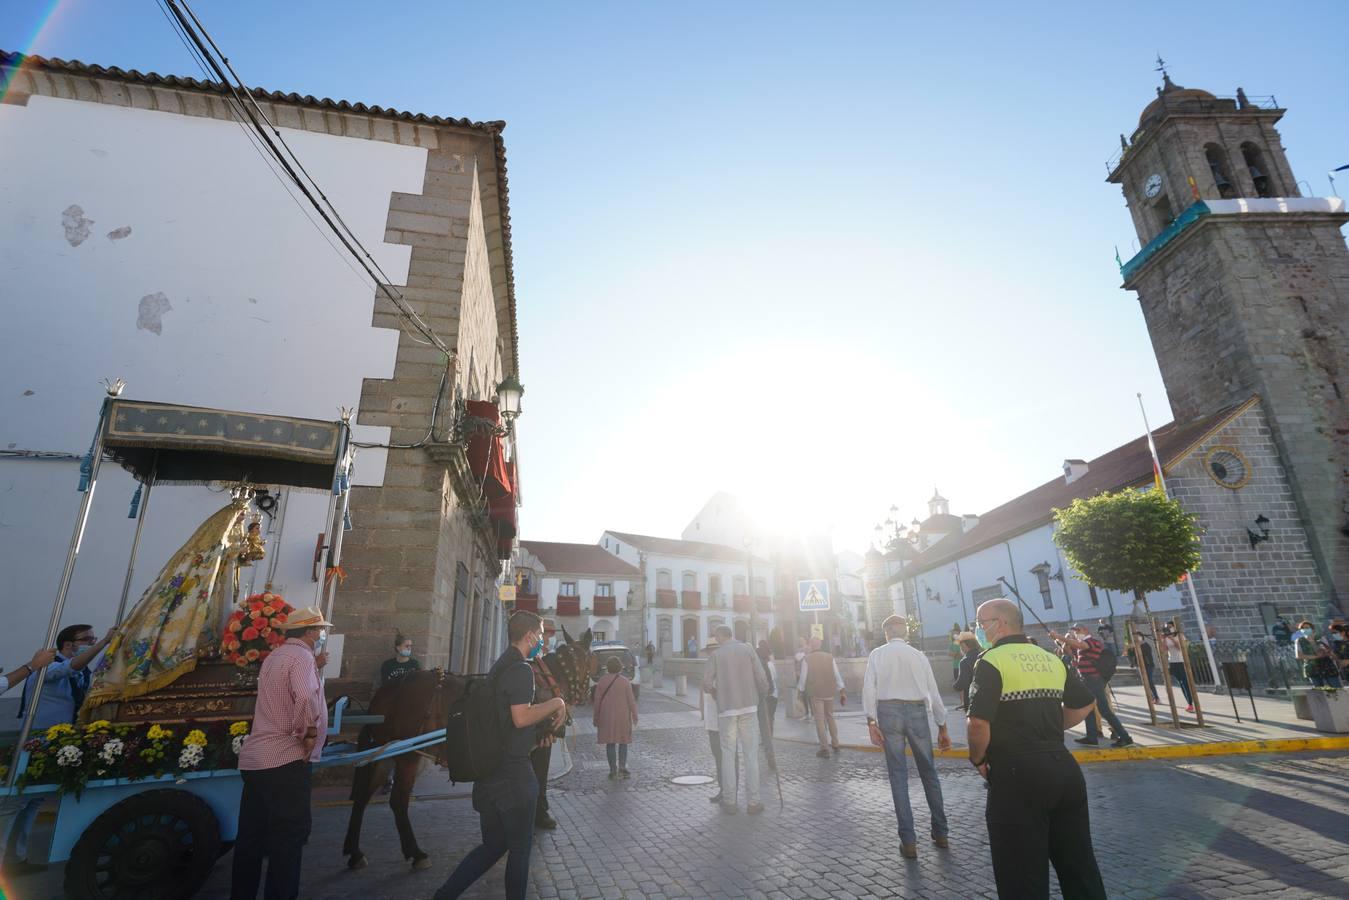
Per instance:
(237,743)
(191,756)
(69,755)
(111,751)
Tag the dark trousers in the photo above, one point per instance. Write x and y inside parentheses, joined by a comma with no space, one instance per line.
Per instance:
(1037,814)
(541,758)
(1178,673)
(505,802)
(274,822)
(1097,688)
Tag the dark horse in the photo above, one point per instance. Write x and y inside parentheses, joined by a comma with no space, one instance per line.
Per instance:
(419,703)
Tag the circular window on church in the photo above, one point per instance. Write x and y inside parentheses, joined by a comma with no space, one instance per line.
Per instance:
(1228,467)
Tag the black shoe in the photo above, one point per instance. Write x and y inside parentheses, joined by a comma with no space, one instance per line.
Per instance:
(545,821)
(613,773)
(1125,741)
(1086,740)
(716,799)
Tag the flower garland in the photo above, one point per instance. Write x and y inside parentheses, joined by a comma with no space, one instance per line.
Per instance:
(71,757)
(255,629)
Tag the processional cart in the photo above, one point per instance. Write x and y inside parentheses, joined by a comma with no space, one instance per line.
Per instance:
(147,779)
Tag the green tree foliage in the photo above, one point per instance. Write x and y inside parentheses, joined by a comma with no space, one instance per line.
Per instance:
(1136,541)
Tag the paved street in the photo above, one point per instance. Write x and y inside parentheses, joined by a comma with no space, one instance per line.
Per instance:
(1216,828)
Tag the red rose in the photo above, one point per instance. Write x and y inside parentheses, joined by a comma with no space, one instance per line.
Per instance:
(278,621)
(250,634)
(251,655)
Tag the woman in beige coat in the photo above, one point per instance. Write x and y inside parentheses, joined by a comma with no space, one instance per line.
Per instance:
(615,715)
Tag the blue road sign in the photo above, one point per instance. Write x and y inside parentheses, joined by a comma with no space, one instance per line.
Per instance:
(813,596)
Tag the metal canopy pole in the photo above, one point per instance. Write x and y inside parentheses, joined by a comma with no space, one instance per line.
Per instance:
(77,538)
(136,541)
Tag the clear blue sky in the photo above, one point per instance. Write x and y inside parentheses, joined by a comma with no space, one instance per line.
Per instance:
(825,255)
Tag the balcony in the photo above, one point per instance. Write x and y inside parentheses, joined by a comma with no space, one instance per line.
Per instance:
(527,603)
(568,606)
(666,598)
(741,603)
(691,599)
(765,604)
(606,606)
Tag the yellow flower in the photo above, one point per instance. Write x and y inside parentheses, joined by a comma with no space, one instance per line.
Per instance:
(238,728)
(95,727)
(57,731)
(158,734)
(195,736)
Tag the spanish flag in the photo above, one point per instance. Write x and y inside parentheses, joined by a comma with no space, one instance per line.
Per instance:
(1158,481)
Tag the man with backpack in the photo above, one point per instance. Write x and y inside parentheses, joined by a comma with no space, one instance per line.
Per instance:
(505,796)
(1095,662)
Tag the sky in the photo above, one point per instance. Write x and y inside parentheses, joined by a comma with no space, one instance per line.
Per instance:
(828,257)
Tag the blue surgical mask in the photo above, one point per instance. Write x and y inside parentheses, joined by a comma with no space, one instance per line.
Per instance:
(981,636)
(537,648)
(404,651)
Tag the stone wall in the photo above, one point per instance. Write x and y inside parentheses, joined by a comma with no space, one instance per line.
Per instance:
(1234,577)
(1258,305)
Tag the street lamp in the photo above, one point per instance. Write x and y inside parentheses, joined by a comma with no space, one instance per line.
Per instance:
(509,393)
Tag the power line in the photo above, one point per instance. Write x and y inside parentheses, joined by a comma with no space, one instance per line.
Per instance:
(343,234)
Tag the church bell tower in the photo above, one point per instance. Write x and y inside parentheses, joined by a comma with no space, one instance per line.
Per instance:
(1244,285)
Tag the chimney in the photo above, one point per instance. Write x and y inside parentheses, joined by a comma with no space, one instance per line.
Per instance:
(967,522)
(1073,469)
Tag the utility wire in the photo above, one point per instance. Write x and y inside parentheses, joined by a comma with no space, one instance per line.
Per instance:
(349,241)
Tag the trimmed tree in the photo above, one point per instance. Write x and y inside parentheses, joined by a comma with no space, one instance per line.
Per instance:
(1136,541)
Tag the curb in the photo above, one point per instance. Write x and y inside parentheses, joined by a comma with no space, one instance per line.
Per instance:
(1169,751)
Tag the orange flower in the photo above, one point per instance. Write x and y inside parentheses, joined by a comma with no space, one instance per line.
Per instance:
(251,655)
(235,625)
(250,633)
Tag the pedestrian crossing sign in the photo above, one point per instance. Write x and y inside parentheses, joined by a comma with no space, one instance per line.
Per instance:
(813,595)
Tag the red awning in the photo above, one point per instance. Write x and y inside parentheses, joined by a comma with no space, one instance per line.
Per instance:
(486,455)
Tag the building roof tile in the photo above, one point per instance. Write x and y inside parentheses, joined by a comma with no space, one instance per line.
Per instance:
(1129,465)
(578,559)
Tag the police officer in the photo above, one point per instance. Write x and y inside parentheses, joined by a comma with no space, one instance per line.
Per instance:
(1022,699)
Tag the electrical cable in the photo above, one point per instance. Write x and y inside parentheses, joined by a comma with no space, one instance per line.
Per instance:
(347,241)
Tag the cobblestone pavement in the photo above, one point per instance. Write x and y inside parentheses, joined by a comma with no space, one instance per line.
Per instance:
(1215,828)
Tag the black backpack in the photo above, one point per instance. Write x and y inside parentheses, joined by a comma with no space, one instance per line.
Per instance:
(1106,663)
(473,732)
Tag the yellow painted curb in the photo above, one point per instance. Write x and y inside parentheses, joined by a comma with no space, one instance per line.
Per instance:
(1167,751)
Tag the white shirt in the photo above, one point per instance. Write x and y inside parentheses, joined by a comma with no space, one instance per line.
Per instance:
(900,672)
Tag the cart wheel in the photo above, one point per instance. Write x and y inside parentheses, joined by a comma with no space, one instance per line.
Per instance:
(159,845)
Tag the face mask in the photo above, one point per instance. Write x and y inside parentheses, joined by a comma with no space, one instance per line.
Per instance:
(537,648)
(404,651)
(981,636)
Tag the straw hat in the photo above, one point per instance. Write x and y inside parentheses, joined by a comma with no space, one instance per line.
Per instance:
(309,617)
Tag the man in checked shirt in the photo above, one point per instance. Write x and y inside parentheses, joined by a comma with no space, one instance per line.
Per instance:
(289,725)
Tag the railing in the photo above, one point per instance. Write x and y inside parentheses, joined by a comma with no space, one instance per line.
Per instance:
(666,598)
(568,606)
(741,603)
(606,606)
(527,603)
(691,599)
(1270,665)
(1195,104)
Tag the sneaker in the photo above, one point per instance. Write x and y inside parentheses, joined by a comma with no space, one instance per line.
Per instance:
(836,748)
(1190,708)
(908,851)
(612,774)
(941,841)
(822,753)
(624,773)
(1122,742)
(1086,740)
(754,809)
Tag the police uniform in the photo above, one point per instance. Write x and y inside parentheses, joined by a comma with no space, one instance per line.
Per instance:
(1037,798)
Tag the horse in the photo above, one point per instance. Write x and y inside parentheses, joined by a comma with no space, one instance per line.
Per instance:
(419,703)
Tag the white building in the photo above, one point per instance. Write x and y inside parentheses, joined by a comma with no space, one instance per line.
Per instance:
(693,586)
(580,586)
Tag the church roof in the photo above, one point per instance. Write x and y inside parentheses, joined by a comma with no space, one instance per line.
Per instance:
(578,559)
(1127,466)
(941,523)
(1174,97)
(677,547)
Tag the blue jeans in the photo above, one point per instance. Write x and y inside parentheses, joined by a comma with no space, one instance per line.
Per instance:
(618,756)
(1097,688)
(901,721)
(505,803)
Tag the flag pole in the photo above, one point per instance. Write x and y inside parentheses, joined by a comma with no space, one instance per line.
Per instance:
(1160,478)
